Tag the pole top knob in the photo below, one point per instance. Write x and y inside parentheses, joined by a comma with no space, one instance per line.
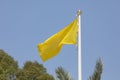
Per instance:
(79,12)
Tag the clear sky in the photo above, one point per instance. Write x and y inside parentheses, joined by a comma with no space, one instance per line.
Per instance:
(25,23)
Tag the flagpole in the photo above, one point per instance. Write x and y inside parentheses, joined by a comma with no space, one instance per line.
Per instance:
(79,46)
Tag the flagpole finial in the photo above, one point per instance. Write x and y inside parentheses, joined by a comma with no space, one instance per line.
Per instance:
(79,12)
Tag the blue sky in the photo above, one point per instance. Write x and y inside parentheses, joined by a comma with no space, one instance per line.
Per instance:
(25,23)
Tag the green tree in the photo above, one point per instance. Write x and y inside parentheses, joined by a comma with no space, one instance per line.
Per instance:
(62,74)
(45,77)
(2,74)
(98,71)
(8,66)
(21,75)
(9,69)
(33,71)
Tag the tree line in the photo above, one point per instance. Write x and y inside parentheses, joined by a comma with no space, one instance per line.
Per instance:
(9,70)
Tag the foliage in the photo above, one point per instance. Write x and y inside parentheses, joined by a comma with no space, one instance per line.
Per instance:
(98,71)
(9,69)
(45,77)
(8,66)
(62,74)
(21,75)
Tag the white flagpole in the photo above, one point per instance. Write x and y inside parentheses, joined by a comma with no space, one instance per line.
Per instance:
(79,46)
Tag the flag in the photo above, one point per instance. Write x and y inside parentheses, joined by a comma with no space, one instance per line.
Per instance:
(52,46)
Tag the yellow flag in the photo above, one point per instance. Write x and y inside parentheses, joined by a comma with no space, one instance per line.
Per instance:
(52,45)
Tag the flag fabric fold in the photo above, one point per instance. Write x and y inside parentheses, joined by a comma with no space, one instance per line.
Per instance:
(52,46)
